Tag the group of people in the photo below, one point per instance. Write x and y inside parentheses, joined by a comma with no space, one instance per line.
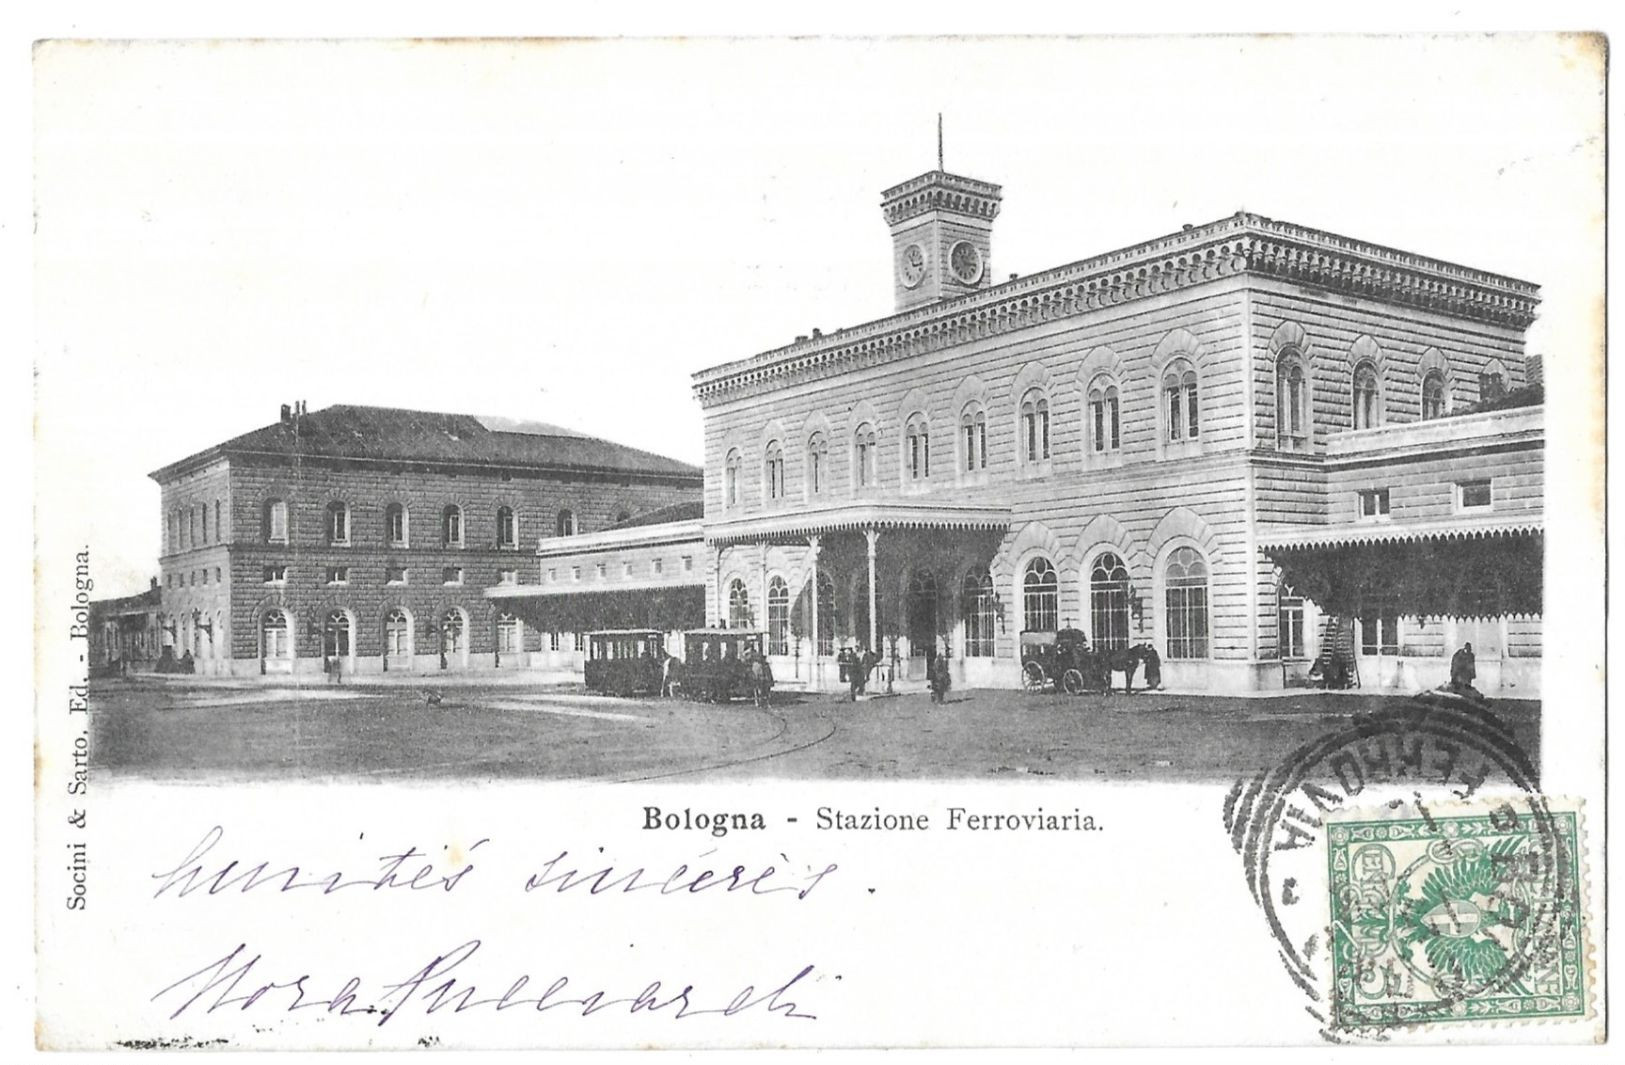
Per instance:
(857,666)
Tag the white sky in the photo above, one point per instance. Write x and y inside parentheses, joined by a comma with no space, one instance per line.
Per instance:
(566,231)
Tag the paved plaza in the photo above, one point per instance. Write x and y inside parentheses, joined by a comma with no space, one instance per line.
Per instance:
(480,729)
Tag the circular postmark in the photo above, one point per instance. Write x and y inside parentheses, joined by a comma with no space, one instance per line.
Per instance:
(1386,911)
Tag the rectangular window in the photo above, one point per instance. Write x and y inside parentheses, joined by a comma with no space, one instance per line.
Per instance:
(276,525)
(276,574)
(553,641)
(508,576)
(394,574)
(1374,503)
(659,566)
(218,533)
(1379,632)
(552,574)
(688,563)
(338,574)
(1291,625)
(600,570)
(1190,410)
(575,573)
(1474,495)
(1176,421)
(451,575)
(217,575)
(626,569)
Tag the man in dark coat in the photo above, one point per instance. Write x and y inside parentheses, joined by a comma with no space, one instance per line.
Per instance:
(1153,666)
(940,677)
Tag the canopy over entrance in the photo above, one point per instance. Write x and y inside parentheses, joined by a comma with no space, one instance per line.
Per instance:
(665,609)
(1455,568)
(855,517)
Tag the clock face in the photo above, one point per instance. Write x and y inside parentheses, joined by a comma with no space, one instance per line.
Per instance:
(911,267)
(966,262)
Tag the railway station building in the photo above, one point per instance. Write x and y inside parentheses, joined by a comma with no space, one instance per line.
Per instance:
(1243,443)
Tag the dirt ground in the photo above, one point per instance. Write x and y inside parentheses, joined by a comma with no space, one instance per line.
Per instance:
(186,729)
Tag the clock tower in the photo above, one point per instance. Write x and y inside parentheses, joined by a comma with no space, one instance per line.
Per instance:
(941,232)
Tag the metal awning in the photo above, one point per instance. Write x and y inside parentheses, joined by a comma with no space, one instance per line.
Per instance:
(857,516)
(1276,538)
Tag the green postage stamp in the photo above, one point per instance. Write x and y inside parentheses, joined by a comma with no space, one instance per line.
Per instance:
(1458,914)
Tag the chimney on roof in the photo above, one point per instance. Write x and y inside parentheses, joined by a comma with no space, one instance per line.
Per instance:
(800,337)
(153,586)
(817,332)
(287,414)
(1186,228)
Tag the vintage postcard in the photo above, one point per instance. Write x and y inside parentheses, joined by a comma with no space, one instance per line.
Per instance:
(847,542)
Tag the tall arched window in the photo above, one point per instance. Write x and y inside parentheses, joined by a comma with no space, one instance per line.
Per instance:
(397,634)
(276,634)
(1040,597)
(817,463)
(510,635)
(1492,385)
(453,634)
(1435,396)
(1186,594)
(1181,409)
(507,528)
(275,521)
(730,479)
(1105,416)
(395,525)
(973,437)
(1108,603)
(864,447)
(778,617)
(565,523)
(1367,397)
(1034,426)
(338,523)
(336,635)
(1291,403)
(773,471)
(917,447)
(451,526)
(977,607)
(738,605)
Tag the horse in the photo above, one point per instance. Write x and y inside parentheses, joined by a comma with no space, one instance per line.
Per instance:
(1127,661)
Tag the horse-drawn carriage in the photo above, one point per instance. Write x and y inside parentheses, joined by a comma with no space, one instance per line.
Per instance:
(1063,661)
(719,664)
(624,661)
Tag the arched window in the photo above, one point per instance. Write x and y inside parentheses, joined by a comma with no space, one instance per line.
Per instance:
(778,617)
(275,521)
(1435,396)
(565,525)
(738,605)
(336,635)
(978,608)
(219,530)
(1040,597)
(863,456)
(507,528)
(451,526)
(1367,397)
(1291,403)
(1105,416)
(1492,385)
(730,479)
(397,634)
(1034,427)
(510,638)
(276,635)
(453,634)
(395,525)
(338,523)
(973,437)
(1181,410)
(1186,587)
(1108,603)
(817,463)
(773,471)
(917,447)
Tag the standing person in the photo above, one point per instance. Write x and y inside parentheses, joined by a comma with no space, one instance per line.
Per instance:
(1153,667)
(866,665)
(1463,671)
(852,670)
(941,678)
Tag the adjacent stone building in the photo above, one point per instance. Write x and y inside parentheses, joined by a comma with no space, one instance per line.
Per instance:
(362,538)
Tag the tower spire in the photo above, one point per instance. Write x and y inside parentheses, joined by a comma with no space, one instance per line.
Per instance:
(939,141)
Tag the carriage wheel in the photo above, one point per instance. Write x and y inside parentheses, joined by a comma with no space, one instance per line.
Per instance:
(1032,677)
(1072,682)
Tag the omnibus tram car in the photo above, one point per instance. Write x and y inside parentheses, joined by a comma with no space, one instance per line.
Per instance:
(624,661)
(718,663)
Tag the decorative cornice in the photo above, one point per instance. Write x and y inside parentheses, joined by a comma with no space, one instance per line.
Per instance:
(937,190)
(854,517)
(1320,537)
(1243,244)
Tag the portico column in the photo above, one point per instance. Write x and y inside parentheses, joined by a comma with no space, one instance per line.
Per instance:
(722,610)
(812,580)
(873,537)
(762,618)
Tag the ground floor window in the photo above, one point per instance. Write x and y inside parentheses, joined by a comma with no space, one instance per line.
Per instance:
(1186,585)
(1040,597)
(336,635)
(976,606)
(778,617)
(453,633)
(1289,623)
(1108,603)
(276,634)
(738,605)
(508,635)
(397,634)
(1379,631)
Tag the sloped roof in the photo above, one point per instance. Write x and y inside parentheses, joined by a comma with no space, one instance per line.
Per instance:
(390,434)
(691,511)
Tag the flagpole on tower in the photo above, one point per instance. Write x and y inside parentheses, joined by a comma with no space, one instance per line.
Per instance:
(939,140)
